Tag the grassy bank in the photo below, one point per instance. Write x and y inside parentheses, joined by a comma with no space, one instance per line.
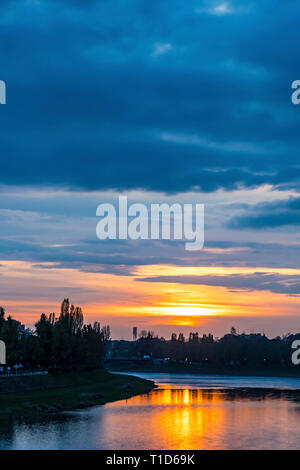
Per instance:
(175,368)
(49,394)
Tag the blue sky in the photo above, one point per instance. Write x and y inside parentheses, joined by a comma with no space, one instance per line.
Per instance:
(159,100)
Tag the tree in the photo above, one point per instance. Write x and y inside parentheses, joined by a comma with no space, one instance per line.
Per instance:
(67,342)
(2,317)
(45,334)
(181,338)
(233,331)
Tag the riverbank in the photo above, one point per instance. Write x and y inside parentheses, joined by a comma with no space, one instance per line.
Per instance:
(26,396)
(176,368)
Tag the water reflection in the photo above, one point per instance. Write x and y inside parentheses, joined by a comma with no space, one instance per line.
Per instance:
(170,419)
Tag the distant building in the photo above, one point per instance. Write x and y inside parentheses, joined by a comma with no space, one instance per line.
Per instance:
(134,333)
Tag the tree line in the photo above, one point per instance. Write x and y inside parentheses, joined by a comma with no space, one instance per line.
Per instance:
(62,341)
(232,349)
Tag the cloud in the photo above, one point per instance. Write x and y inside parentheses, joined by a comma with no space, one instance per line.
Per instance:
(226,146)
(90,104)
(259,281)
(271,215)
(159,99)
(222,9)
(161,49)
(47,225)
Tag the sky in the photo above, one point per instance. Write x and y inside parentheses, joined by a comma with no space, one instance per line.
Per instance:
(161,101)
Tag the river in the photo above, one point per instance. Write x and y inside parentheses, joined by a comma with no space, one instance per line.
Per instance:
(184,412)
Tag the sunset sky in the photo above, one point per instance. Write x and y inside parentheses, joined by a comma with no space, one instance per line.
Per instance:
(162,101)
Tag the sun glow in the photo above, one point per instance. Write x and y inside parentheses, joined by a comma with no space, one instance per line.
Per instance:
(130,300)
(189,311)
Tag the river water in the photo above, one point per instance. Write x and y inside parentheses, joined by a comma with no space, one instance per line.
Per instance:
(184,412)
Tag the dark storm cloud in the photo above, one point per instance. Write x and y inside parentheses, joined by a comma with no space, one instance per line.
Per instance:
(272,215)
(273,282)
(93,88)
(123,257)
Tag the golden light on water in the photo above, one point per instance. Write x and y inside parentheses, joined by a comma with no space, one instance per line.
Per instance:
(179,418)
(184,418)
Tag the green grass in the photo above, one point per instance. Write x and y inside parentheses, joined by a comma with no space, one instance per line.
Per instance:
(49,394)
